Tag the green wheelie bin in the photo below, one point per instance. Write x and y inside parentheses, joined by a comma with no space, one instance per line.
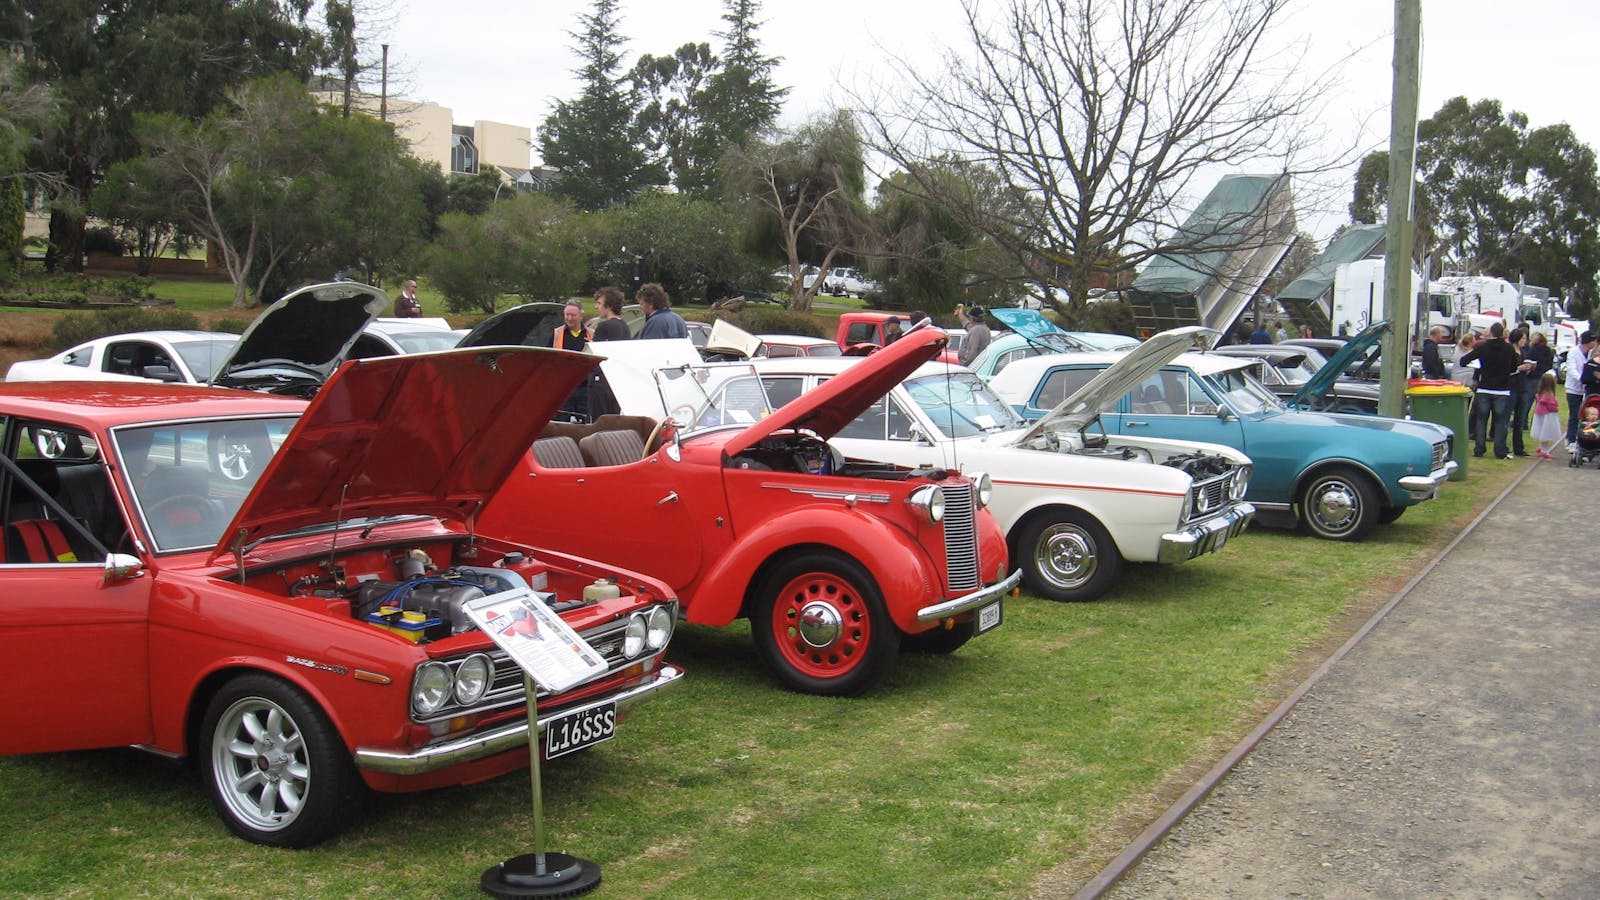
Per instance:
(1444,403)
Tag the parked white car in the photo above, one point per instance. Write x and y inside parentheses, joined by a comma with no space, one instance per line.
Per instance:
(182,357)
(1075,503)
(845,281)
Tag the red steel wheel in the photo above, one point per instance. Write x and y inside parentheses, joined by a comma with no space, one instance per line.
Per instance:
(821,626)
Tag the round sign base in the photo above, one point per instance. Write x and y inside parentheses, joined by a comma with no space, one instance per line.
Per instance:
(517,877)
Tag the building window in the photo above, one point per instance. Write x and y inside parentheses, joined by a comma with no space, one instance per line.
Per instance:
(463,152)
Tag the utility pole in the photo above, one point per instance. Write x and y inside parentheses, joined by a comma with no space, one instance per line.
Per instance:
(383,92)
(1398,297)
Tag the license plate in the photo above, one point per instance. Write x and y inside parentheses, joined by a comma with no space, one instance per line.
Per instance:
(576,730)
(988,617)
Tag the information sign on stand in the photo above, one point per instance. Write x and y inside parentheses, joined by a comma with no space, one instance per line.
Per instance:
(553,656)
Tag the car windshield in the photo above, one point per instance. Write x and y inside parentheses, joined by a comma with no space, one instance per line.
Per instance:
(1242,392)
(424,341)
(961,404)
(189,478)
(203,357)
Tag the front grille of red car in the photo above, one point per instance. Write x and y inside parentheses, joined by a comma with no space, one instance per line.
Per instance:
(960,535)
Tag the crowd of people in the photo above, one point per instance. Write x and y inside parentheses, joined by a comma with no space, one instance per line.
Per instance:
(1513,378)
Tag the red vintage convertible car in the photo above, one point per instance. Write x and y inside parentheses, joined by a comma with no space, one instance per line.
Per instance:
(836,563)
(278,590)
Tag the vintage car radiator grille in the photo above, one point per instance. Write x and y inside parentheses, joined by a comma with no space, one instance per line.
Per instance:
(960,535)
(1441,452)
(1211,496)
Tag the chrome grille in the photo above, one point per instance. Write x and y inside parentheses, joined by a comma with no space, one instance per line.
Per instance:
(1209,497)
(960,535)
(1441,452)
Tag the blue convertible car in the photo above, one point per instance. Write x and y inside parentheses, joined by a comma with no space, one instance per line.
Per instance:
(1340,475)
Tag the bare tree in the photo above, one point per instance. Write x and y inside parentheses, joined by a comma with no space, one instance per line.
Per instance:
(1102,119)
(805,193)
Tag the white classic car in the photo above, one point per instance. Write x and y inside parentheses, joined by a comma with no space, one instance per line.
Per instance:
(182,357)
(1075,503)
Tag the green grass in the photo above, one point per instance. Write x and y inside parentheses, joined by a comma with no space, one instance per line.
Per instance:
(1020,763)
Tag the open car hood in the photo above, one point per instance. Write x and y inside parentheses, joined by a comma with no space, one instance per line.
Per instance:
(530,324)
(1037,330)
(427,434)
(310,330)
(1084,406)
(728,338)
(1355,348)
(836,402)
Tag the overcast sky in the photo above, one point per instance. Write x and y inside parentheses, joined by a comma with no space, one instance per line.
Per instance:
(510,60)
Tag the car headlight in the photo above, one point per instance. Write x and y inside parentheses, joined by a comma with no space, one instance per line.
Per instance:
(473,678)
(431,688)
(985,487)
(1188,505)
(930,500)
(660,628)
(1241,482)
(634,637)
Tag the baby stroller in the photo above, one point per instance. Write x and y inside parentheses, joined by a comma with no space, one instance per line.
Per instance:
(1588,444)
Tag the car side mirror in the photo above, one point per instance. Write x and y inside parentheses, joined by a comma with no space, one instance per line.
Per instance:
(121,567)
(162,373)
(1224,413)
(918,437)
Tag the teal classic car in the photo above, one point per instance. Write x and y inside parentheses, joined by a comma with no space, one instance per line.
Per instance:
(1032,334)
(1339,475)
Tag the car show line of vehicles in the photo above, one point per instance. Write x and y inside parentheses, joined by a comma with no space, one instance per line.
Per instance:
(277,587)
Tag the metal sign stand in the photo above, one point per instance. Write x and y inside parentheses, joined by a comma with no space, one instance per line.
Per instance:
(539,874)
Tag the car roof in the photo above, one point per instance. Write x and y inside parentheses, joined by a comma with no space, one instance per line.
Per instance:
(110,404)
(1030,368)
(171,336)
(796,339)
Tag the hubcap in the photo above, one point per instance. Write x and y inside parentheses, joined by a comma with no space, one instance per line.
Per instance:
(235,461)
(1066,556)
(1336,505)
(820,624)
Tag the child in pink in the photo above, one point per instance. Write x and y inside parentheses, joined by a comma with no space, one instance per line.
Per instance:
(1546,415)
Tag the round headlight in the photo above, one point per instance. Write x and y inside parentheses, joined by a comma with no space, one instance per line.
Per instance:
(431,688)
(660,629)
(472,679)
(985,487)
(634,637)
(930,500)
(1241,483)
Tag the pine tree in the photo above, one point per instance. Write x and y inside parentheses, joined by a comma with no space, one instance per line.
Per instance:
(740,100)
(595,141)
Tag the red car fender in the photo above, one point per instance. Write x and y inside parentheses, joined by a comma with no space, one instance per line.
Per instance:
(904,572)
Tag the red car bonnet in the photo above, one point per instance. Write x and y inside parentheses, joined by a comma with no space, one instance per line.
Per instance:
(427,434)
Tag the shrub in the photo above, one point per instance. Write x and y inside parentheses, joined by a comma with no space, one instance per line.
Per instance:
(104,239)
(764,319)
(75,328)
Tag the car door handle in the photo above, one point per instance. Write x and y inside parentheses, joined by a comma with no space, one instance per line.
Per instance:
(671,497)
(1135,423)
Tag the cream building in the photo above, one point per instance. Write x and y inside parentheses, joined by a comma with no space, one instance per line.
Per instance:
(435,137)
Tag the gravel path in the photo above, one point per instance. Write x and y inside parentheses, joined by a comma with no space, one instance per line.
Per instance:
(1452,753)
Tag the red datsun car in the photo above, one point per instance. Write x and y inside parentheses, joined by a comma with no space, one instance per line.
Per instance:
(277,590)
(836,563)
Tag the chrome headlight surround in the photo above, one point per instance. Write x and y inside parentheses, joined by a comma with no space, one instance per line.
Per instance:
(1241,482)
(930,499)
(473,678)
(658,628)
(983,486)
(1188,505)
(431,688)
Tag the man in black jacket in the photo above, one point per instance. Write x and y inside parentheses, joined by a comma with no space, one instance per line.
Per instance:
(1432,364)
(1498,361)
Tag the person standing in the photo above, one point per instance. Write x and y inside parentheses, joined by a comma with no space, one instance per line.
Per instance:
(1543,358)
(1305,331)
(1522,388)
(891,330)
(569,335)
(659,319)
(1546,415)
(407,306)
(1576,357)
(1432,363)
(1279,333)
(977,339)
(1497,363)
(1260,336)
(611,327)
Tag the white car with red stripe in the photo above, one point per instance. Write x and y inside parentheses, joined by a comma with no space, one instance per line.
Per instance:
(1075,503)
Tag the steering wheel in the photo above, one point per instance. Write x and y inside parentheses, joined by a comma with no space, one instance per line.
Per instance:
(654,441)
(183,518)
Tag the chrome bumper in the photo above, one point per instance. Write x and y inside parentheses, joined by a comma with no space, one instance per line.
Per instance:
(1205,537)
(501,739)
(1426,487)
(959,605)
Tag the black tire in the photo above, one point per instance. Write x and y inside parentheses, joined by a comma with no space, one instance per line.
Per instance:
(278,771)
(939,641)
(1067,556)
(1390,513)
(821,626)
(1340,504)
